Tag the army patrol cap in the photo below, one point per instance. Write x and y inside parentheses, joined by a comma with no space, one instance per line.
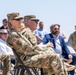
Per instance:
(14,16)
(30,17)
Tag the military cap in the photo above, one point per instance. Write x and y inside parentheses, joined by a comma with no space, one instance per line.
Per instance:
(30,17)
(14,16)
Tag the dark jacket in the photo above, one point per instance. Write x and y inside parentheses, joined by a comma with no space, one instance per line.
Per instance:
(2,27)
(49,37)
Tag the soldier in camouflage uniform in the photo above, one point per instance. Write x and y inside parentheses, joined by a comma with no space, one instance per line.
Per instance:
(21,27)
(72,40)
(25,45)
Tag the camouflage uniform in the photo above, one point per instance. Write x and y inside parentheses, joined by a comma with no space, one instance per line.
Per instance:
(33,55)
(72,40)
(5,59)
(21,27)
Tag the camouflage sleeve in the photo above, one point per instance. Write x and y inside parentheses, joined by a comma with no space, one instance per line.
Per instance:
(13,39)
(31,37)
(71,38)
(19,43)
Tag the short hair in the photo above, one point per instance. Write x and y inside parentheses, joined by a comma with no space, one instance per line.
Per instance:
(4,20)
(53,25)
(40,22)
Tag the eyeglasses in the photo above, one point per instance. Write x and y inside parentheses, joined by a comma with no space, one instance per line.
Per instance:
(4,33)
(56,28)
(35,21)
(16,19)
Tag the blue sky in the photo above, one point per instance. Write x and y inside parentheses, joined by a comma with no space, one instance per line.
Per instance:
(62,12)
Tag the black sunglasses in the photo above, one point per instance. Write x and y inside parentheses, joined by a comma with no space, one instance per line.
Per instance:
(35,21)
(4,33)
(16,19)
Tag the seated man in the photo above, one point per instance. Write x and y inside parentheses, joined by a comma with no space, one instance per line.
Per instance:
(58,43)
(5,24)
(6,52)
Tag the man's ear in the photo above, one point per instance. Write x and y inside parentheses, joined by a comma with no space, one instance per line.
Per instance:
(10,21)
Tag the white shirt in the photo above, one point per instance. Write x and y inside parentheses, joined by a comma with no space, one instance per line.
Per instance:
(58,46)
(4,49)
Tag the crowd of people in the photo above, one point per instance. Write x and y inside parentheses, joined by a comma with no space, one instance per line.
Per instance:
(20,39)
